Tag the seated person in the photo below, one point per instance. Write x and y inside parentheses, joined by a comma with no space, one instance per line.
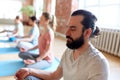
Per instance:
(81,60)
(31,39)
(18,30)
(45,56)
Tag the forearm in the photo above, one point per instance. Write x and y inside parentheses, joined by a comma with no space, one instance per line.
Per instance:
(34,48)
(45,53)
(25,39)
(15,33)
(45,75)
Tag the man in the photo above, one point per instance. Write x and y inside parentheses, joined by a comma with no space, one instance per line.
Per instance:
(30,40)
(18,30)
(81,61)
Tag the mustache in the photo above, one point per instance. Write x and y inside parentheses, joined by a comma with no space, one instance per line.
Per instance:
(68,37)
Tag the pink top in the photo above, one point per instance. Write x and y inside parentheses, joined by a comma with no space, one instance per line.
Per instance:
(46,39)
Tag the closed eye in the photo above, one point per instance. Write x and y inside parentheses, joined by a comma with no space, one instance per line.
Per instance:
(72,28)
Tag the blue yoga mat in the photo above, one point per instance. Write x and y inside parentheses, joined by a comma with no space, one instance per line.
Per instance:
(10,50)
(11,39)
(5,41)
(9,67)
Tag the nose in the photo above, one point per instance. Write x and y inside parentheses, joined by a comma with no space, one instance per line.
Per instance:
(67,32)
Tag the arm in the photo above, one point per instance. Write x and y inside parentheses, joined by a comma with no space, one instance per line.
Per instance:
(45,75)
(26,38)
(45,52)
(5,31)
(15,32)
(29,37)
(33,48)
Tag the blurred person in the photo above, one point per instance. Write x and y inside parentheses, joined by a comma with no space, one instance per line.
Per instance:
(81,60)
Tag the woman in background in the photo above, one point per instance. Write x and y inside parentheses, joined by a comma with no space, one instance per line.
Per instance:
(45,43)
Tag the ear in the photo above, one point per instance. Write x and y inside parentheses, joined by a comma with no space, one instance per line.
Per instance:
(87,32)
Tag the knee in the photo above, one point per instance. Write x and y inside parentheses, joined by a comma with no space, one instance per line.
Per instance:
(23,55)
(28,78)
(31,78)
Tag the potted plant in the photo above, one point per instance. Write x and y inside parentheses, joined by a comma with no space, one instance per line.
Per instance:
(27,11)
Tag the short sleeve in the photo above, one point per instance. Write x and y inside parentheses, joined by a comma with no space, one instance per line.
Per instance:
(99,71)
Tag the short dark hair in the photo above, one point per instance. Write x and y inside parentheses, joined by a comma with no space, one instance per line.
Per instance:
(88,21)
(17,17)
(33,18)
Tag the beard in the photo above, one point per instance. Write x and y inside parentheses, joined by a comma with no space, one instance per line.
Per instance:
(75,44)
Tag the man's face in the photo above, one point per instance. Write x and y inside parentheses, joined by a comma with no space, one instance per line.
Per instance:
(30,22)
(16,21)
(74,34)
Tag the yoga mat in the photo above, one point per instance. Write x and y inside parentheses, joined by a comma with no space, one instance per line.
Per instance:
(5,41)
(10,50)
(9,67)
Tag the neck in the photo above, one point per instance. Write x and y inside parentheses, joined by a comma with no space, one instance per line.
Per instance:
(80,50)
(83,48)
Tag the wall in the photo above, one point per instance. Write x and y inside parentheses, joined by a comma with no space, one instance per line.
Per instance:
(25,3)
(64,8)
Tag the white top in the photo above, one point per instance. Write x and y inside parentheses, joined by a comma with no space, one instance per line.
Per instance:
(20,28)
(91,65)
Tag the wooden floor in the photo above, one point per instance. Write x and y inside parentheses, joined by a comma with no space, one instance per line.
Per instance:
(59,48)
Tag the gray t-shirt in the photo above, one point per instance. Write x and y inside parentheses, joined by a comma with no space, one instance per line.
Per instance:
(91,65)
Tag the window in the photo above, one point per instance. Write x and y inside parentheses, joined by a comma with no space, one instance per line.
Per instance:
(38,4)
(53,5)
(10,8)
(106,11)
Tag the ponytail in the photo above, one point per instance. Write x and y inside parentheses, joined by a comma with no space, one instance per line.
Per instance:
(96,32)
(53,23)
(52,20)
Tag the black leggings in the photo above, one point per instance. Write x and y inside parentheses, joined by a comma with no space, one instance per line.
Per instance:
(27,55)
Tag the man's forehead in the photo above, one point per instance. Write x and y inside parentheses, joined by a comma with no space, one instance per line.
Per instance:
(75,19)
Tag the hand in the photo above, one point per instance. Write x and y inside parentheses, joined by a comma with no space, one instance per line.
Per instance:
(22,73)
(22,50)
(29,61)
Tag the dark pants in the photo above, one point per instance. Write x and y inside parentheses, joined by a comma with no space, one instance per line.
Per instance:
(38,65)
(27,55)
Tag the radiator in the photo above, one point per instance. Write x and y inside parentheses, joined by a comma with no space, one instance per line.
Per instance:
(108,41)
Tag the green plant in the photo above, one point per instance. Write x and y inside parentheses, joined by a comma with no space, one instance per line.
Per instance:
(28,10)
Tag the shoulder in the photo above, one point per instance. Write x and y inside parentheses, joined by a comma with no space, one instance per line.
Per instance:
(50,34)
(97,59)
